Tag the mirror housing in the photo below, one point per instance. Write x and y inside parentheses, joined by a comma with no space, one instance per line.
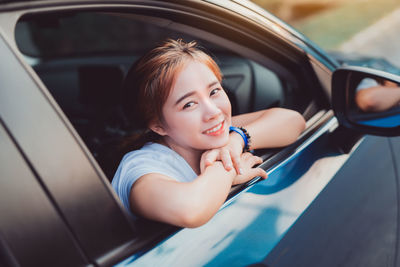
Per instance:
(367,100)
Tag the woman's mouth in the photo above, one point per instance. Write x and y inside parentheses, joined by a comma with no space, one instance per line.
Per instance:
(217,130)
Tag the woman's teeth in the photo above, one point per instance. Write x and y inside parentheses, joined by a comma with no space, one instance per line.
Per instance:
(216,128)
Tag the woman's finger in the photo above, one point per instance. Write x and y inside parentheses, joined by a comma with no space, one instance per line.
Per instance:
(260,172)
(236,163)
(226,159)
(246,155)
(250,174)
(256,160)
(211,157)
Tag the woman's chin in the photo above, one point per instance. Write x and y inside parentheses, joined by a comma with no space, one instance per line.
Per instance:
(217,143)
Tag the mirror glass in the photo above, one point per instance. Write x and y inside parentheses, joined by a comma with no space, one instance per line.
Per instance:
(373,101)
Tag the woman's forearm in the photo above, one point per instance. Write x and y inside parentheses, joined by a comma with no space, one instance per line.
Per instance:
(209,192)
(379,98)
(184,204)
(275,127)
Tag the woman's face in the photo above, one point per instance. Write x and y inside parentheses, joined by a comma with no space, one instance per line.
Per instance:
(197,113)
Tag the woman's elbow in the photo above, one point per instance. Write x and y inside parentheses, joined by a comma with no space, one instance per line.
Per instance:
(366,101)
(296,123)
(290,125)
(194,213)
(193,219)
(299,122)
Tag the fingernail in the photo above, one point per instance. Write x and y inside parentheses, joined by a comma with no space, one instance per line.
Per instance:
(240,171)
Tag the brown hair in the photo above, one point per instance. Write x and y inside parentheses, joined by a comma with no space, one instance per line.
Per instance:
(150,80)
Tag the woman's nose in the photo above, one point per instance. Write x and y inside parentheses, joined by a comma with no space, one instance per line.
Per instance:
(211,110)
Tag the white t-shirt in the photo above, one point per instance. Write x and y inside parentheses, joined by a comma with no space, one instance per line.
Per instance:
(366,83)
(151,158)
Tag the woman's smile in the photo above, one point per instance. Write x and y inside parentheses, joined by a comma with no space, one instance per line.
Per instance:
(216,130)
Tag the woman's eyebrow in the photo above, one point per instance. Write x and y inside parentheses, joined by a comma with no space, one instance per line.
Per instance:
(193,92)
(184,96)
(212,84)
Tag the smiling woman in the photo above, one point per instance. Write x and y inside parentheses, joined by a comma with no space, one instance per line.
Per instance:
(183,172)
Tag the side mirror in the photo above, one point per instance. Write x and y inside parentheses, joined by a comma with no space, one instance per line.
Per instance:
(367,100)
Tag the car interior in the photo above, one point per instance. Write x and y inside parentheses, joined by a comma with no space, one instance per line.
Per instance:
(83,57)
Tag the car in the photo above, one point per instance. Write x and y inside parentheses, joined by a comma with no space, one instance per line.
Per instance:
(331,198)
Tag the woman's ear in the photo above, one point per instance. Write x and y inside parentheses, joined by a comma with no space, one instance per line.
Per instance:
(157,128)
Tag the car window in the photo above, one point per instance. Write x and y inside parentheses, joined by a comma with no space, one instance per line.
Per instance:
(89,33)
(82,58)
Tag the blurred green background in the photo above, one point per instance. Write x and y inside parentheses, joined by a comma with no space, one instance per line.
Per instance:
(329,23)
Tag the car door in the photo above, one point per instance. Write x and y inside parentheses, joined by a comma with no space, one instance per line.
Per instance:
(353,221)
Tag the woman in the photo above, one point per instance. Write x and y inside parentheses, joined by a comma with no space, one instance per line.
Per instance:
(184,172)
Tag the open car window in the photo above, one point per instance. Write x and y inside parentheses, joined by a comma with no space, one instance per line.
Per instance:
(82,58)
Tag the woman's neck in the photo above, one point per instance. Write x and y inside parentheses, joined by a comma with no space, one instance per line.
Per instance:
(192,156)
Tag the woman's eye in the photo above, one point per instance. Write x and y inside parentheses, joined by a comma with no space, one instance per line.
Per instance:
(214,91)
(188,105)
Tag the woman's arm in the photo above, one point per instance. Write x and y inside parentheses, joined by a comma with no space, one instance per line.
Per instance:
(378,98)
(275,127)
(192,204)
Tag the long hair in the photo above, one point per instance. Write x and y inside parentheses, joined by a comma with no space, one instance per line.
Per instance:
(150,81)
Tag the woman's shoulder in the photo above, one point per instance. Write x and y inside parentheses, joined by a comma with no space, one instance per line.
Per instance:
(136,163)
(155,158)
(150,151)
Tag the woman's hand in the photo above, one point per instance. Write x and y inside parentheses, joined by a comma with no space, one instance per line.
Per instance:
(229,154)
(247,161)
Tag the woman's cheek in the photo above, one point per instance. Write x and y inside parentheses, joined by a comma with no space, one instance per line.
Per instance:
(191,117)
(224,104)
